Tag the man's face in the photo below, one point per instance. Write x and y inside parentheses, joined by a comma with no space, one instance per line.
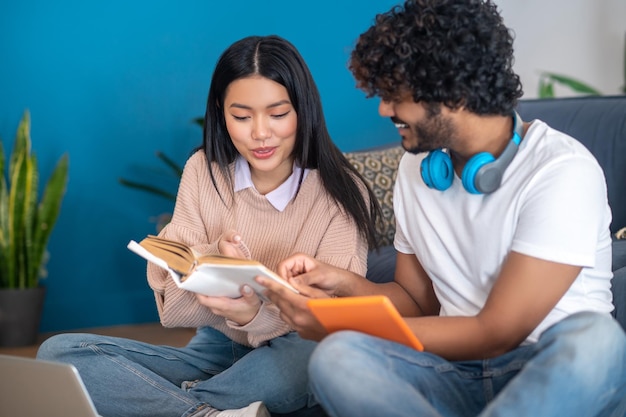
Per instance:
(422,127)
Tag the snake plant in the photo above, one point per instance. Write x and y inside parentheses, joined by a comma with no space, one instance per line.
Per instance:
(25,220)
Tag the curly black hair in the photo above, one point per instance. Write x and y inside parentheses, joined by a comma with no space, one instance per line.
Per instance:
(452,52)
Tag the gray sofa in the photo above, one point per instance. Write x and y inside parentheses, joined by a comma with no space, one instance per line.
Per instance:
(598,122)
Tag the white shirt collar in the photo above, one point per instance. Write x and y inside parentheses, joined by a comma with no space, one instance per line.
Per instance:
(281,196)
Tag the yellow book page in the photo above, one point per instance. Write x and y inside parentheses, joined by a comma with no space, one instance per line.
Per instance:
(181,258)
(178,257)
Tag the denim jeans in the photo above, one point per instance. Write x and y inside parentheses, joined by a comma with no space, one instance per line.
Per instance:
(130,378)
(577,368)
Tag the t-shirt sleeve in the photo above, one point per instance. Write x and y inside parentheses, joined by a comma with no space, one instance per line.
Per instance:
(564,212)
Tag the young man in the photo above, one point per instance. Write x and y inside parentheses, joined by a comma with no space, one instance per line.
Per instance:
(504,253)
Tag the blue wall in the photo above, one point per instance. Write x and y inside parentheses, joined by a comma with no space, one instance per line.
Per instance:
(111,83)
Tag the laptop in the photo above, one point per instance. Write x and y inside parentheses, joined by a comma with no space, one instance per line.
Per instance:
(32,388)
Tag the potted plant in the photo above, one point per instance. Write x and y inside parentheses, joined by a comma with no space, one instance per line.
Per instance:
(175,169)
(547,80)
(26,221)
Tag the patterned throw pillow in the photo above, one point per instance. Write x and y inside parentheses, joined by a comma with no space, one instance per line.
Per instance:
(379,168)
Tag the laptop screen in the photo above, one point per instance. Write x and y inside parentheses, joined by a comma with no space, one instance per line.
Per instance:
(32,387)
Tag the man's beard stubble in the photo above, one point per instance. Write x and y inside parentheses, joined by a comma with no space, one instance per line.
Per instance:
(434,133)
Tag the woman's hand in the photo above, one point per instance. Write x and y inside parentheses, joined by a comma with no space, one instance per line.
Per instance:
(240,310)
(231,244)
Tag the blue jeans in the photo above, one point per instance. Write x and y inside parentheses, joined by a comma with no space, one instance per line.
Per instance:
(130,378)
(577,368)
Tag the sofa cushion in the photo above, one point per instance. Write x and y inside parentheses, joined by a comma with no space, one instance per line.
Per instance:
(619,254)
(381,264)
(599,123)
(379,167)
(618,287)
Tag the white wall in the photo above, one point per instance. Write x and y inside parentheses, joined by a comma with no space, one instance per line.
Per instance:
(583,39)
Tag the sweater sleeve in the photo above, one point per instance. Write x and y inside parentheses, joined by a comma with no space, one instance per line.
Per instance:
(177,307)
(266,325)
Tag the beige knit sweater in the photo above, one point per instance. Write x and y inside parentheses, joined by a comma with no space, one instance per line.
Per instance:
(311,223)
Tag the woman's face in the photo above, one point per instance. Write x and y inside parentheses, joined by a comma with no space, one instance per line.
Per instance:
(261,122)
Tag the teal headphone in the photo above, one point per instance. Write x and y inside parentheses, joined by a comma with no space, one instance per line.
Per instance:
(482,174)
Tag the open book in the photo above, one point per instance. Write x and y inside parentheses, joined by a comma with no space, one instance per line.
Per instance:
(213,275)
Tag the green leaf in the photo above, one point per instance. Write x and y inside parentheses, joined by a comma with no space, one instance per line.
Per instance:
(47,214)
(22,141)
(148,188)
(177,169)
(20,196)
(572,83)
(174,167)
(2,161)
(30,215)
(546,89)
(199,121)
(4,222)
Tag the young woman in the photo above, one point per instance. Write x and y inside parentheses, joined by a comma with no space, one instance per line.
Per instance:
(266,183)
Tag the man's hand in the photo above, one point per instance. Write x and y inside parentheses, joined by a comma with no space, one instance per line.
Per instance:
(293,308)
(313,279)
(313,273)
(240,310)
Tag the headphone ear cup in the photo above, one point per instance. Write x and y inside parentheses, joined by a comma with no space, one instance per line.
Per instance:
(470,171)
(437,170)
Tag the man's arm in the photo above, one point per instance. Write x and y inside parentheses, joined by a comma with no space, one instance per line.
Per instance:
(526,290)
(315,279)
(419,297)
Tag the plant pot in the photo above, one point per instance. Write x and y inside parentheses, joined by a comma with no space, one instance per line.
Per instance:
(20,315)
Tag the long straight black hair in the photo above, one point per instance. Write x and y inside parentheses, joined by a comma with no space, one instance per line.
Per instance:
(276,59)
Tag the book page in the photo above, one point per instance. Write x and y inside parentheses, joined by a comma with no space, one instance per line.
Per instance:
(179,257)
(215,276)
(144,253)
(225,280)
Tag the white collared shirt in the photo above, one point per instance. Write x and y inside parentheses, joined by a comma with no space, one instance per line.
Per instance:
(281,196)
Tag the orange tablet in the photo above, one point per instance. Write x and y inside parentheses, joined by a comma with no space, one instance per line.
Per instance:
(374,315)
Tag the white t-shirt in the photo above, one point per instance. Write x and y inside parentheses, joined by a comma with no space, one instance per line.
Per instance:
(552,204)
